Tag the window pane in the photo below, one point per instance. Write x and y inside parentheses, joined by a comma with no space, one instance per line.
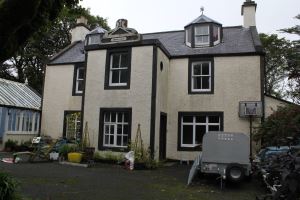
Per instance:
(197,69)
(201,30)
(120,115)
(115,60)
(187,134)
(124,60)
(106,129)
(81,73)
(125,130)
(106,137)
(111,139)
(197,83)
(213,128)
(107,117)
(80,85)
(215,33)
(115,76)
(119,129)
(205,39)
(126,117)
(205,68)
(125,141)
(113,117)
(187,119)
(205,82)
(200,131)
(124,76)
(119,140)
(200,119)
(213,119)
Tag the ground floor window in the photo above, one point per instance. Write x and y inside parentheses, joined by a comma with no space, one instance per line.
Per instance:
(193,125)
(22,121)
(72,125)
(115,128)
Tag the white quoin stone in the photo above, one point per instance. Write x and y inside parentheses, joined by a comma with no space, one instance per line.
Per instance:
(248,12)
(79,32)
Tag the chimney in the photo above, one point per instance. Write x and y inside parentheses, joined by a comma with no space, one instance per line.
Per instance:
(248,11)
(79,31)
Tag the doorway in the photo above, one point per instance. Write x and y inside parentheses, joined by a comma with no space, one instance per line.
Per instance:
(163,136)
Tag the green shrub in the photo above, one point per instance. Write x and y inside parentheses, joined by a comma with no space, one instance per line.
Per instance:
(10,145)
(108,156)
(8,187)
(67,148)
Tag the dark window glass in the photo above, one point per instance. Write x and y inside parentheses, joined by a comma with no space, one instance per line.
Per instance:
(115,76)
(213,119)
(124,60)
(197,69)
(113,117)
(200,131)
(125,130)
(187,119)
(119,140)
(213,128)
(124,76)
(115,61)
(187,134)
(197,83)
(80,73)
(205,82)
(200,119)
(205,68)
(120,115)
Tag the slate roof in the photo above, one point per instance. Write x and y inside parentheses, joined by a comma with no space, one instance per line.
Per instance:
(236,40)
(202,19)
(18,95)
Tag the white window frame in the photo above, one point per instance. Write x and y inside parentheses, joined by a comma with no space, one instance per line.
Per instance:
(115,125)
(120,68)
(77,91)
(194,124)
(201,35)
(193,76)
(187,32)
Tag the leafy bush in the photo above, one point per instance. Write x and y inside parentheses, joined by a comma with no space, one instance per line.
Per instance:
(8,187)
(108,156)
(10,145)
(67,148)
(285,122)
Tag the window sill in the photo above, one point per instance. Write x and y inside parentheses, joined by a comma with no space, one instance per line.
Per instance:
(116,87)
(201,92)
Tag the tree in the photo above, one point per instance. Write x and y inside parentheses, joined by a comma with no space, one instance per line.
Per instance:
(285,122)
(29,61)
(19,20)
(277,51)
(293,66)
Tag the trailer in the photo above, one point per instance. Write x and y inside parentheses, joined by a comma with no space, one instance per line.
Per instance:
(223,153)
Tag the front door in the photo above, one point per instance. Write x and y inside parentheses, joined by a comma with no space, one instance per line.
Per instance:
(163,136)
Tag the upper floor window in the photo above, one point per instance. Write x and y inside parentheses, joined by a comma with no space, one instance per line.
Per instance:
(118,69)
(201,35)
(201,76)
(78,83)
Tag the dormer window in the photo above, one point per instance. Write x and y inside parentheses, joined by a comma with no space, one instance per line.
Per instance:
(202,35)
(203,32)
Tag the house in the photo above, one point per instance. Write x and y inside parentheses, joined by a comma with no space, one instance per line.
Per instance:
(20,109)
(177,85)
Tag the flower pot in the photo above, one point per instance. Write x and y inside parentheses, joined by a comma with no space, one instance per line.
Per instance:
(75,157)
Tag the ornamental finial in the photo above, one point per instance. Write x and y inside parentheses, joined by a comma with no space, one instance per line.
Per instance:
(202,10)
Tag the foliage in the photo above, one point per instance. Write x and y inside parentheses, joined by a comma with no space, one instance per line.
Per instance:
(29,62)
(8,187)
(282,78)
(68,148)
(19,21)
(142,154)
(285,122)
(108,156)
(10,144)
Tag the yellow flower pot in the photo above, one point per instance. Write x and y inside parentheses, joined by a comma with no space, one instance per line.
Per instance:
(75,157)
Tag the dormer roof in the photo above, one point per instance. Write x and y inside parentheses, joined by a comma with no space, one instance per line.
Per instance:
(202,19)
(98,29)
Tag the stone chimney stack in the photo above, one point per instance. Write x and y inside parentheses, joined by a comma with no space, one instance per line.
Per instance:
(79,31)
(248,11)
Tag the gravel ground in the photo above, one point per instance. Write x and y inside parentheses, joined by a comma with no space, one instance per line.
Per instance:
(52,181)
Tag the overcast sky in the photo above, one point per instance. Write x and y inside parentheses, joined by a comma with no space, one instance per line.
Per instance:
(167,15)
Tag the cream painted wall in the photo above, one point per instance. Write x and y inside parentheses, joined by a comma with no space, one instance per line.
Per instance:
(249,16)
(161,94)
(232,84)
(271,105)
(58,98)
(138,97)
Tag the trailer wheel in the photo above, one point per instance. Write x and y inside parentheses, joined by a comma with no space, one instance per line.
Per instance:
(235,173)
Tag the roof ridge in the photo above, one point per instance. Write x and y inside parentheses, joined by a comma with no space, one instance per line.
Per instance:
(162,32)
(15,82)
